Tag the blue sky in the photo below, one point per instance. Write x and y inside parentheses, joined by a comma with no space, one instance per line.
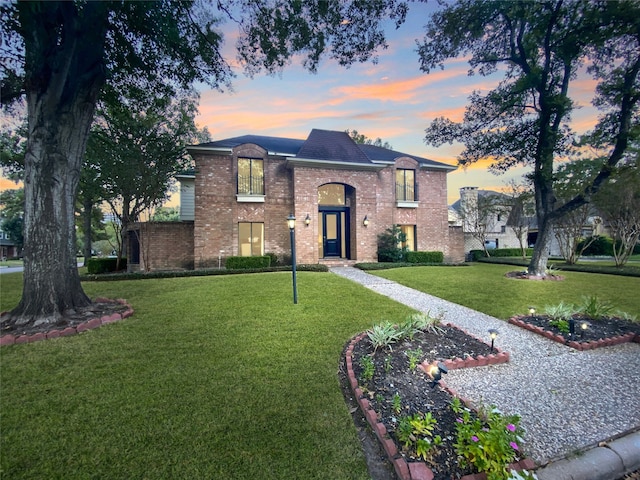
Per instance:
(392,100)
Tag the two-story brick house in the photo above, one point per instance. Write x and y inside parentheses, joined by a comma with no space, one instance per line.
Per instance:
(342,194)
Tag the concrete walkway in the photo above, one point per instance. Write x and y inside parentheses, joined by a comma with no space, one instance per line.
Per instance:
(581,410)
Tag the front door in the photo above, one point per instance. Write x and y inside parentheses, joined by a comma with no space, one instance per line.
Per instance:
(332,234)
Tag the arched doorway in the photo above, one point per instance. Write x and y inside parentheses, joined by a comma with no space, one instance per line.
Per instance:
(334,219)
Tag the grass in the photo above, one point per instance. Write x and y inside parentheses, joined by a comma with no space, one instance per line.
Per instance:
(484,287)
(213,377)
(223,377)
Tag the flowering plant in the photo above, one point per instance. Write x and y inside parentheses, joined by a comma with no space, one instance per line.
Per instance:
(489,445)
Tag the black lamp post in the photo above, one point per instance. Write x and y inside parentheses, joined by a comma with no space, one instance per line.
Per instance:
(291,222)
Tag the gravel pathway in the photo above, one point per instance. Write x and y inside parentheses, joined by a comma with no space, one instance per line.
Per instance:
(568,400)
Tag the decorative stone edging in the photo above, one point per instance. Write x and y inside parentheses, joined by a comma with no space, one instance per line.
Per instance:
(10,339)
(556,337)
(419,470)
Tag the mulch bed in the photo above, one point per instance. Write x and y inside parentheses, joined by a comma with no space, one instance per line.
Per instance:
(602,332)
(393,376)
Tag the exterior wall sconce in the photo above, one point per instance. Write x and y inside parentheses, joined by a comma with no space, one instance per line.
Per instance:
(365,222)
(493,334)
(436,371)
(307,220)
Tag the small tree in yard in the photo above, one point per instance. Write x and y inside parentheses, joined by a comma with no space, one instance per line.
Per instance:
(391,245)
(521,212)
(619,202)
(570,180)
(479,214)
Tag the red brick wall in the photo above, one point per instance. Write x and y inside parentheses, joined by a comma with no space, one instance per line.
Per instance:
(164,246)
(218,212)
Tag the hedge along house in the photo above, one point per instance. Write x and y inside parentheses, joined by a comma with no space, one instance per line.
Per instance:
(342,194)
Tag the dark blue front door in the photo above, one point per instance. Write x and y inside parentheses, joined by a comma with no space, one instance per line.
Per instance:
(332,234)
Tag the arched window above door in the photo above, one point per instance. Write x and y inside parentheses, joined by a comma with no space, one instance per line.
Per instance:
(332,194)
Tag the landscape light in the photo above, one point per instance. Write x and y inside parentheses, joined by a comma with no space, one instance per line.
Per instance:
(572,328)
(436,371)
(532,311)
(493,334)
(584,325)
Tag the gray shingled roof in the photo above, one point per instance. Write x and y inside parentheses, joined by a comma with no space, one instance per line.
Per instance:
(286,146)
(323,145)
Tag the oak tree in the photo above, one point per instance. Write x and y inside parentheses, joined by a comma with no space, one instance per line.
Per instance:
(60,55)
(539,48)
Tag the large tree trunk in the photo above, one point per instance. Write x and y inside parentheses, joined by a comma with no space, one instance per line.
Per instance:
(540,255)
(64,70)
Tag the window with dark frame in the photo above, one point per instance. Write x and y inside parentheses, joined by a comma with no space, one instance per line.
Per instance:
(250,176)
(405,185)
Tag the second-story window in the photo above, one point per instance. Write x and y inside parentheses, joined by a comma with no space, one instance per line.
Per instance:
(250,176)
(405,185)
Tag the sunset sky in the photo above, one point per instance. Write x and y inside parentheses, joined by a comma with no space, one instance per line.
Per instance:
(392,100)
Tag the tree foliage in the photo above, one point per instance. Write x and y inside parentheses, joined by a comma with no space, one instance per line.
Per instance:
(619,202)
(364,140)
(60,55)
(539,48)
(11,213)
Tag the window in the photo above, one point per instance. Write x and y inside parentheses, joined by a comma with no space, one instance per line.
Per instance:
(503,229)
(410,237)
(250,239)
(332,194)
(250,176)
(405,185)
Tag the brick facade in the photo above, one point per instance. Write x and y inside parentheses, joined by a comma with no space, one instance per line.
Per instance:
(160,246)
(293,173)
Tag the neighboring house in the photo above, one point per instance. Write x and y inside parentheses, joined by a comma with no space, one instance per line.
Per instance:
(342,194)
(489,210)
(7,247)
(486,212)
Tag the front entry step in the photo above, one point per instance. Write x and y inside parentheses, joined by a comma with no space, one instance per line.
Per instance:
(337,262)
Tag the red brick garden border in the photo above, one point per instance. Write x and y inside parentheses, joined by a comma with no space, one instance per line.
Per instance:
(419,470)
(10,339)
(556,337)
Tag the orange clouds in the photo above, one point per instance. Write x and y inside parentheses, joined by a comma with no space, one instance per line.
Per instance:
(402,90)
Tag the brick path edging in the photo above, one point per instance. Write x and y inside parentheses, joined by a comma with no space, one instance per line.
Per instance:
(10,339)
(419,470)
(603,342)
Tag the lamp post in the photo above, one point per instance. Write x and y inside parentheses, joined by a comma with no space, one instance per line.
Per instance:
(291,222)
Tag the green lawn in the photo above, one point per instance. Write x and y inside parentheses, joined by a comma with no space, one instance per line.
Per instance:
(484,287)
(212,378)
(223,377)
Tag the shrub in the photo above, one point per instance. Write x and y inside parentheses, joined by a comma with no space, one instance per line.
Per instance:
(389,245)
(475,255)
(105,265)
(383,335)
(595,309)
(242,263)
(601,245)
(425,257)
